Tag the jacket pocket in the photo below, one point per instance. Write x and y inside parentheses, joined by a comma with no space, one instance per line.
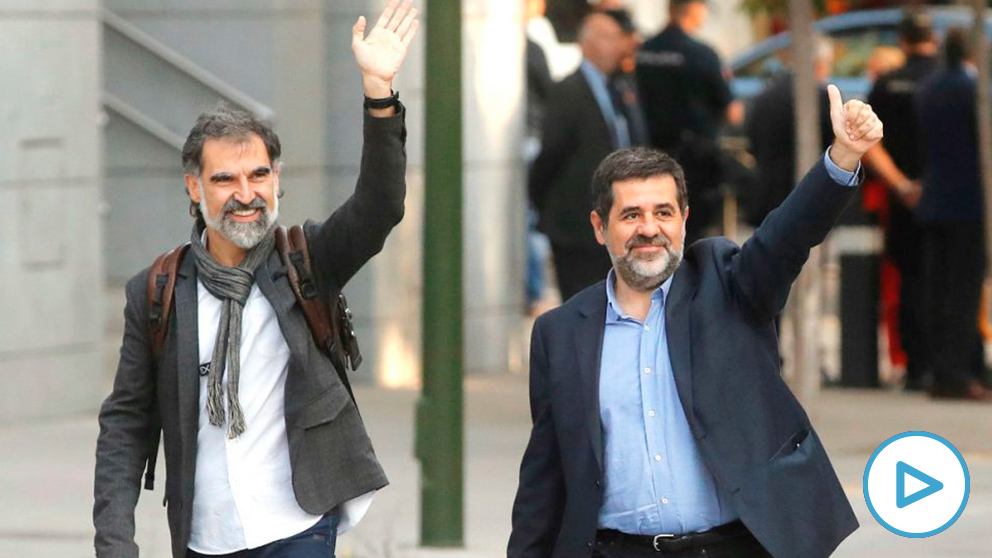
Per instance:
(792,445)
(325,407)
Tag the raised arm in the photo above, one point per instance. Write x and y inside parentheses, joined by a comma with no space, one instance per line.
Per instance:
(763,270)
(357,230)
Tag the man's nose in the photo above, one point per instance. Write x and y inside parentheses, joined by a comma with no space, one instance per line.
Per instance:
(649,228)
(243,193)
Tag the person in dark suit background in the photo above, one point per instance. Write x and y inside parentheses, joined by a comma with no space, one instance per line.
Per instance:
(686,97)
(770,127)
(585,119)
(952,214)
(897,161)
(661,424)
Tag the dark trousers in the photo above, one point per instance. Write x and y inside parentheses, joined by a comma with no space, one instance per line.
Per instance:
(578,268)
(954,271)
(904,245)
(316,542)
(743,547)
(911,325)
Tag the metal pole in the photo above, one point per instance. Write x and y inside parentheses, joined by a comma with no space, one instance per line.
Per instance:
(439,410)
(804,304)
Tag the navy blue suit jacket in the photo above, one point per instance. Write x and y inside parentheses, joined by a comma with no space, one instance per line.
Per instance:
(750,429)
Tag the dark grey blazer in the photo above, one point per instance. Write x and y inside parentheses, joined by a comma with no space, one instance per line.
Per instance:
(750,431)
(330,453)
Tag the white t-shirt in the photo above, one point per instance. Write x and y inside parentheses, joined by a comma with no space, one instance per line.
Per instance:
(243,494)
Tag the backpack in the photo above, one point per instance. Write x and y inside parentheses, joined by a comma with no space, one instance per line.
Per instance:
(329,322)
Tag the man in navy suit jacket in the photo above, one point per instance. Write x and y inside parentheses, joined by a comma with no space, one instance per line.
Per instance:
(661,424)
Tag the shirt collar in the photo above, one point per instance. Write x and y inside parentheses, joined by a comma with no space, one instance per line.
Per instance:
(615,313)
(591,72)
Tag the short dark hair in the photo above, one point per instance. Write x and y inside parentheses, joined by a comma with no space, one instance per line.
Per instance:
(635,163)
(224,122)
(956,46)
(916,26)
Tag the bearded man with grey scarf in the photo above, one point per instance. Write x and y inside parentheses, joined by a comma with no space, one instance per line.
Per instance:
(265,451)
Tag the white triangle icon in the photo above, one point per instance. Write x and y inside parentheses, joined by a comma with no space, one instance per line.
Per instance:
(914,485)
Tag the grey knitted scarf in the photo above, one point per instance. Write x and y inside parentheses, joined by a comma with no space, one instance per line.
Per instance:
(231,285)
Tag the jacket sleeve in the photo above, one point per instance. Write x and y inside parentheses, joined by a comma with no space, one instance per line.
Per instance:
(540,501)
(122,445)
(763,271)
(357,230)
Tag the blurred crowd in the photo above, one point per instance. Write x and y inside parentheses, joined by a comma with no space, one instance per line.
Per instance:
(672,92)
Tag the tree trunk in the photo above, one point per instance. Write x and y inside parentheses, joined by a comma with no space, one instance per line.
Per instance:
(803,310)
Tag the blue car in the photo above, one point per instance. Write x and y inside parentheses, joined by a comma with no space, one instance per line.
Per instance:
(855,35)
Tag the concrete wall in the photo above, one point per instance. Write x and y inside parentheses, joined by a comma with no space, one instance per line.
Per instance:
(51,269)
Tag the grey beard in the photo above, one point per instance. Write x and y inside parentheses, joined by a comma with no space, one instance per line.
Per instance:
(647,274)
(243,235)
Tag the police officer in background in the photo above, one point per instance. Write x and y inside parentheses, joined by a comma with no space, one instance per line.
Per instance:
(897,161)
(686,97)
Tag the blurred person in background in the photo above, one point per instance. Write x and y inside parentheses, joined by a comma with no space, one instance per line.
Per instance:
(266,454)
(897,162)
(770,127)
(585,120)
(686,97)
(624,79)
(951,211)
(884,59)
(661,423)
(539,83)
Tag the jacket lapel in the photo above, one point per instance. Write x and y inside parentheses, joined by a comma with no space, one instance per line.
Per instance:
(187,353)
(272,281)
(677,324)
(588,342)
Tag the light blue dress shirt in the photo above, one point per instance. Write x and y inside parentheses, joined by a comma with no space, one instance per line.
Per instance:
(617,122)
(656,481)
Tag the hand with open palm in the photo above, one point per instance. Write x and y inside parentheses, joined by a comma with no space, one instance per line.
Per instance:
(381,53)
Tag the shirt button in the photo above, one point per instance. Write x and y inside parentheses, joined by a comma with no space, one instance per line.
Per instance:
(647,327)
(664,500)
(657,457)
(647,369)
(650,413)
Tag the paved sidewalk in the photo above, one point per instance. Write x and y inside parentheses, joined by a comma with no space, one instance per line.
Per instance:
(46,475)
(46,472)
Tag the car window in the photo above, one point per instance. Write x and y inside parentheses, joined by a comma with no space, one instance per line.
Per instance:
(763,68)
(853,48)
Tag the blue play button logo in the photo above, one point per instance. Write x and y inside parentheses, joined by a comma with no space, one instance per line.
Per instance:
(932,485)
(892,486)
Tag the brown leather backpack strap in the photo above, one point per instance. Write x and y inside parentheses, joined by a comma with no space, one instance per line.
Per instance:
(292,246)
(161,287)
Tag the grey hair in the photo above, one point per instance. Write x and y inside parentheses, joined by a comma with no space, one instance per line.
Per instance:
(225,122)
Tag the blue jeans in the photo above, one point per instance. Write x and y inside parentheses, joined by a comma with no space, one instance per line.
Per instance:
(316,542)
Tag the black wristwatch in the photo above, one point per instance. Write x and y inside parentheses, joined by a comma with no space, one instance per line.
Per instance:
(379,104)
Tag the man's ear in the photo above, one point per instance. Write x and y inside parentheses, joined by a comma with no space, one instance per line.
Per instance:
(192,187)
(597,227)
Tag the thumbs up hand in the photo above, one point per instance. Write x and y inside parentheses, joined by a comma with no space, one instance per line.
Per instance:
(856,129)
